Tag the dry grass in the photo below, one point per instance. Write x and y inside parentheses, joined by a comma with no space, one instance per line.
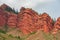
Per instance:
(15,34)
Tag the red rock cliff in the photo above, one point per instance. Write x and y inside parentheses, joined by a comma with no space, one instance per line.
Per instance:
(28,21)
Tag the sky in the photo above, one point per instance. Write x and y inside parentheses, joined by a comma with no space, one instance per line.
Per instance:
(51,7)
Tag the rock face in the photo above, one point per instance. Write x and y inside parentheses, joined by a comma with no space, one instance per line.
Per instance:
(57,23)
(12,20)
(5,7)
(3,17)
(46,22)
(27,20)
(56,26)
(7,18)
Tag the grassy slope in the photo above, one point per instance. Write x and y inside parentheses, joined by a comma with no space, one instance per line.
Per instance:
(15,34)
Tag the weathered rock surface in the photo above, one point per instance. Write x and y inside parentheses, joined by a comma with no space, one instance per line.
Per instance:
(12,20)
(27,20)
(3,17)
(56,26)
(46,22)
(7,18)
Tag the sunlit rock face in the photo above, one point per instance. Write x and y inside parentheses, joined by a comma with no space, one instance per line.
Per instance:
(26,20)
(12,20)
(56,26)
(57,23)
(29,21)
(46,22)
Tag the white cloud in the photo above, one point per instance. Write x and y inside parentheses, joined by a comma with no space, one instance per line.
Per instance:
(33,3)
(25,3)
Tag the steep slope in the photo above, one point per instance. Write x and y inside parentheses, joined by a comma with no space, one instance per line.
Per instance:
(28,22)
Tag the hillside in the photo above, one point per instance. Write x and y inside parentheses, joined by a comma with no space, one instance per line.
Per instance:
(27,25)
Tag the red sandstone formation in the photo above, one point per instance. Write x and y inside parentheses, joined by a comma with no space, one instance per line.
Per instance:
(7,18)
(57,23)
(12,20)
(4,6)
(46,22)
(3,17)
(56,26)
(28,20)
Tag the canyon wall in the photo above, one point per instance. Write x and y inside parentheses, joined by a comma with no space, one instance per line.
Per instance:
(27,20)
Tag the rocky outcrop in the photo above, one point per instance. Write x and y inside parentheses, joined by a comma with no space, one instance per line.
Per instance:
(7,18)
(6,7)
(56,26)
(46,22)
(27,20)
(12,20)
(3,17)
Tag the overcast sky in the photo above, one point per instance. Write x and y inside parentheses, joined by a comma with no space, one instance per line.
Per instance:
(52,7)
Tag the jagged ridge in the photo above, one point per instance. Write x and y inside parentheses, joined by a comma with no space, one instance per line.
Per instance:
(27,20)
